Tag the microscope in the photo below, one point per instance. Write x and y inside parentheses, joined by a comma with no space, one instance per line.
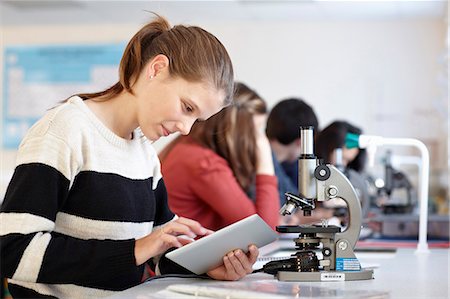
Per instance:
(320,182)
(396,181)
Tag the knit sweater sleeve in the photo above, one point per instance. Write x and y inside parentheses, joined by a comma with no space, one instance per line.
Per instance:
(215,184)
(31,250)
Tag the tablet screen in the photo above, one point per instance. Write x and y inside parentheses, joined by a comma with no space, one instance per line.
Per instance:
(206,253)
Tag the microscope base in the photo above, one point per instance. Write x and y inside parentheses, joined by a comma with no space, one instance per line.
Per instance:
(325,275)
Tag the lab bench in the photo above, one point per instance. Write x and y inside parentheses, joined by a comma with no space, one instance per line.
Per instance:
(402,273)
(407,225)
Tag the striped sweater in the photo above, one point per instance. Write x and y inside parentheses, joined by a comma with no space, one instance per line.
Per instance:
(79,197)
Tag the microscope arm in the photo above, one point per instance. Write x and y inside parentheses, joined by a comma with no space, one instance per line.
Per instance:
(338,186)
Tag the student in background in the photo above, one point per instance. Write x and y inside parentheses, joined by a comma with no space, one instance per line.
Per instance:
(86,207)
(332,138)
(283,131)
(223,171)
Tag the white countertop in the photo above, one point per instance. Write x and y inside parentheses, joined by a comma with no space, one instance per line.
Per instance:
(403,274)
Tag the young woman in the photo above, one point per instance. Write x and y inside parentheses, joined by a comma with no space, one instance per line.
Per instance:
(223,171)
(332,138)
(87,205)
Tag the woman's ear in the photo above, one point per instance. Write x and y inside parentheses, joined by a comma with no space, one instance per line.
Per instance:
(157,65)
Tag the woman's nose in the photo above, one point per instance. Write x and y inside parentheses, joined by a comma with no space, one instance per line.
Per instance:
(185,126)
(184,130)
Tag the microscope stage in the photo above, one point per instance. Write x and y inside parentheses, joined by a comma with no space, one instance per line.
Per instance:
(308,229)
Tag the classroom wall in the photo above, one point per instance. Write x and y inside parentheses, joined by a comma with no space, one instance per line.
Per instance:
(384,76)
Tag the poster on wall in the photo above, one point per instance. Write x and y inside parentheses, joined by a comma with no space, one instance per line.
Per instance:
(37,78)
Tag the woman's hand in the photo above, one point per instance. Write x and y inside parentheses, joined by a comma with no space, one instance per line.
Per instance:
(172,234)
(236,264)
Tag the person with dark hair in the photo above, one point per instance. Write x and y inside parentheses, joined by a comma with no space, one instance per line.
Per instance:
(283,131)
(223,171)
(87,208)
(332,138)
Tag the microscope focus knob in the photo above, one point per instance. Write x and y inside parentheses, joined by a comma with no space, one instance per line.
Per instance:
(342,245)
(322,172)
(326,251)
(332,191)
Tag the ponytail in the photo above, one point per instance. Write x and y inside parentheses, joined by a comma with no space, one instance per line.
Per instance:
(139,51)
(194,55)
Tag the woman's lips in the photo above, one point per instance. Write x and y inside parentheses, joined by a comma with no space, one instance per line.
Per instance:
(165,131)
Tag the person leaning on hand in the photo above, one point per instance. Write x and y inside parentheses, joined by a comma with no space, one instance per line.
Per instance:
(87,206)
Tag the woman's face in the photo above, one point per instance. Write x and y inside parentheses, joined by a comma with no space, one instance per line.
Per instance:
(167,105)
(348,155)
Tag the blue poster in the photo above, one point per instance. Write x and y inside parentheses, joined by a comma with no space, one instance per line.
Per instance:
(37,78)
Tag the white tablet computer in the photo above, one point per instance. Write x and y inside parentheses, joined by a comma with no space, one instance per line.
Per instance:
(206,253)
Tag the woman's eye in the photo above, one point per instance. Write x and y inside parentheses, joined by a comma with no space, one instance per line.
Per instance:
(189,109)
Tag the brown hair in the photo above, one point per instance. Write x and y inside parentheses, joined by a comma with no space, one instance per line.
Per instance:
(231,134)
(194,55)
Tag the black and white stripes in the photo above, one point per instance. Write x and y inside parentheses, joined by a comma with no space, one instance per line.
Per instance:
(78,199)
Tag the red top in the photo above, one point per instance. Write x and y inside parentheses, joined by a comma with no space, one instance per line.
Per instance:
(201,186)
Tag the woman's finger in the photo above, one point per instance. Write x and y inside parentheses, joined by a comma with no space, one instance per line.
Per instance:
(244,261)
(185,240)
(230,272)
(175,228)
(170,241)
(195,226)
(253,253)
(209,232)
(236,263)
